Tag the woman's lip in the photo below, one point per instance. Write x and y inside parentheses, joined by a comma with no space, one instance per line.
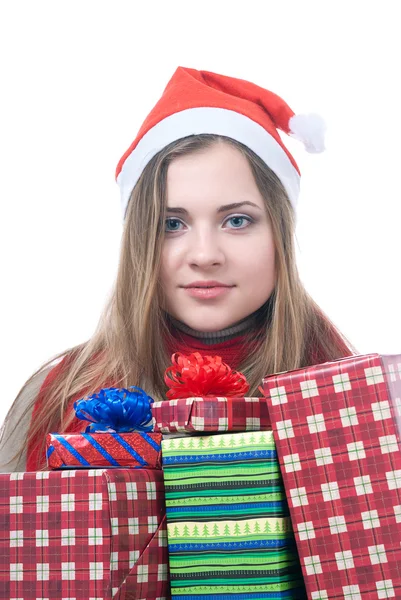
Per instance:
(211,283)
(206,293)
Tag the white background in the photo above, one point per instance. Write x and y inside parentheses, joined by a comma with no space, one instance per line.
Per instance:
(79,76)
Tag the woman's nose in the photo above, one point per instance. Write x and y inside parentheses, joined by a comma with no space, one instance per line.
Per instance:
(204,250)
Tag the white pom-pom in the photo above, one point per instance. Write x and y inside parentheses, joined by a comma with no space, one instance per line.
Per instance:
(310,130)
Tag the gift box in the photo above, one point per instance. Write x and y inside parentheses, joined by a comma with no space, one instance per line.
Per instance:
(210,414)
(336,428)
(229,532)
(137,450)
(206,395)
(83,534)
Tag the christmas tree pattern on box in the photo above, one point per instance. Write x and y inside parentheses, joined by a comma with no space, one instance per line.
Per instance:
(229,531)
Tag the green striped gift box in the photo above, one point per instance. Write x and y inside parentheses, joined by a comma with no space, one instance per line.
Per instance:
(229,531)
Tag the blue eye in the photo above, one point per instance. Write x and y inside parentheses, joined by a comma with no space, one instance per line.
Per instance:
(238,221)
(173,221)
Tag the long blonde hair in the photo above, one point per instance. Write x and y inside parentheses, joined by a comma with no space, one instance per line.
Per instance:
(127,346)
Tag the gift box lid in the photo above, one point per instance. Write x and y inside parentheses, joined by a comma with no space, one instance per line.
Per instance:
(211,414)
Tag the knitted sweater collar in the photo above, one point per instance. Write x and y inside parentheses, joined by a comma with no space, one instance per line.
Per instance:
(233,343)
(245,326)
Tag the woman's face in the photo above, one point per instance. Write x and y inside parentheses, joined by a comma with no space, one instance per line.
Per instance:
(218,235)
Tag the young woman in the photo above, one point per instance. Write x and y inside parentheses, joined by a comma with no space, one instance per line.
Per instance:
(207,262)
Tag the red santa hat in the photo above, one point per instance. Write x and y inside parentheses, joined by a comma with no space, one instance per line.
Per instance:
(196,102)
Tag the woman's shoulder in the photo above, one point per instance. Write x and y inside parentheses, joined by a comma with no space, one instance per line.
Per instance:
(16,425)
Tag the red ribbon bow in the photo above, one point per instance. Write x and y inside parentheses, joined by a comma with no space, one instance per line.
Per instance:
(197,375)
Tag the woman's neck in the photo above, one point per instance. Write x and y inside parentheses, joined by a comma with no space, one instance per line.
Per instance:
(246,325)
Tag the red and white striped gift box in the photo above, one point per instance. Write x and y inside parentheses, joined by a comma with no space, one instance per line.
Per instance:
(81,534)
(337,434)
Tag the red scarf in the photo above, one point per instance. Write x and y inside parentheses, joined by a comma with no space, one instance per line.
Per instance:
(232,352)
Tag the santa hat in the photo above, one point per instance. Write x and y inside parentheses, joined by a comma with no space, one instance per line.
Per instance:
(196,102)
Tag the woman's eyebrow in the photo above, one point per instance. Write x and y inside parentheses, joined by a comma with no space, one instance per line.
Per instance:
(237,205)
(234,205)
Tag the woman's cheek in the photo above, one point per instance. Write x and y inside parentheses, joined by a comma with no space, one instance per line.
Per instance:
(172,254)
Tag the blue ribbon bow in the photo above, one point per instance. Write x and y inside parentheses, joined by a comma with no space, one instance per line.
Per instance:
(116,410)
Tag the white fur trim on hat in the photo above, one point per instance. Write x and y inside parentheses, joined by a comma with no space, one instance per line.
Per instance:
(220,121)
(310,130)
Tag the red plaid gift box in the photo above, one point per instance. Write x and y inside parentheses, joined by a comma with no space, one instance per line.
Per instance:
(210,414)
(338,441)
(83,534)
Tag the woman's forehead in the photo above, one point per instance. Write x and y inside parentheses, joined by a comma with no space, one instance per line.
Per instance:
(220,174)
